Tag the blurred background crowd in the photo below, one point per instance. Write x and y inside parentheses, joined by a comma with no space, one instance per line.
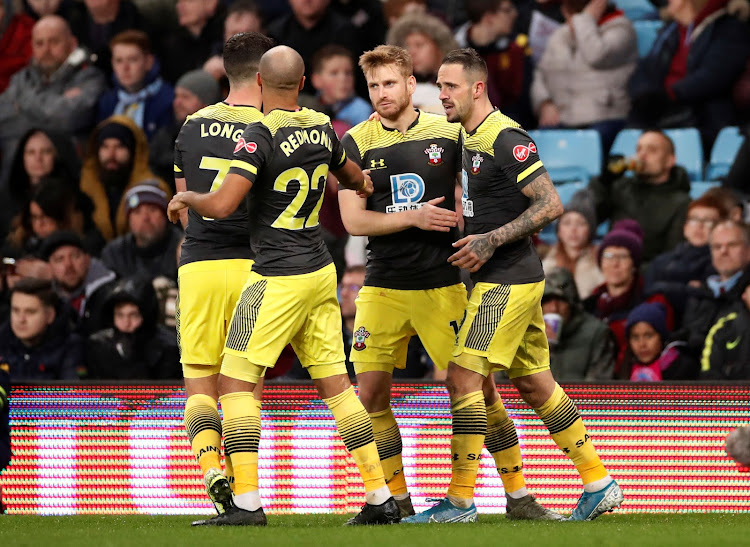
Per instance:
(640,109)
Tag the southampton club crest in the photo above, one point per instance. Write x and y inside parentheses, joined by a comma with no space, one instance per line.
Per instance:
(434,154)
(359,337)
(476,162)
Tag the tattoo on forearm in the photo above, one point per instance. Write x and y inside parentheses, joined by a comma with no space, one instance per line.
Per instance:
(544,208)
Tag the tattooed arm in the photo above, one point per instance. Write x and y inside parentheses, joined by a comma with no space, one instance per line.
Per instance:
(545,207)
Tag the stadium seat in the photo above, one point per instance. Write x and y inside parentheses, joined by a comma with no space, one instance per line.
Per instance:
(687,144)
(569,154)
(646,32)
(637,10)
(699,187)
(723,153)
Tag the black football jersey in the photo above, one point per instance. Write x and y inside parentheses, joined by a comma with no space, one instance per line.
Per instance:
(287,156)
(499,159)
(408,170)
(203,153)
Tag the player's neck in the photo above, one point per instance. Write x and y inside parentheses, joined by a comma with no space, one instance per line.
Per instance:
(279,101)
(481,110)
(403,121)
(245,95)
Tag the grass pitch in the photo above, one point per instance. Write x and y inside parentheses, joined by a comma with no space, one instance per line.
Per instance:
(327,530)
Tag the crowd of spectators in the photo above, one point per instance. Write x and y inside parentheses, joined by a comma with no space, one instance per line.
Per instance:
(93,94)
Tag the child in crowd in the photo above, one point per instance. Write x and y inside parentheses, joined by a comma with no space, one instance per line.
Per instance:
(333,79)
(650,356)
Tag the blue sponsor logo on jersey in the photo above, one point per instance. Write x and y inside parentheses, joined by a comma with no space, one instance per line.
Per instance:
(407,190)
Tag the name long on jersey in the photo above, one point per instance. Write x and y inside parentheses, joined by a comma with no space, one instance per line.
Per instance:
(203,152)
(408,170)
(287,156)
(499,158)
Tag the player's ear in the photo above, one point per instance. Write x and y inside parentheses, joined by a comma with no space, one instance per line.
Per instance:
(479,88)
(302,83)
(411,84)
(258,79)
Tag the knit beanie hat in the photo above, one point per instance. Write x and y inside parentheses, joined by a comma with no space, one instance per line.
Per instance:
(653,313)
(201,84)
(582,204)
(147,191)
(627,235)
(117,131)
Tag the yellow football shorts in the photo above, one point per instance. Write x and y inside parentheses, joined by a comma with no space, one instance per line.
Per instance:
(503,330)
(387,318)
(208,292)
(277,310)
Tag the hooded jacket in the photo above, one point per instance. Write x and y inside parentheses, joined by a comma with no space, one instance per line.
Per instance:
(660,209)
(92,185)
(58,356)
(586,347)
(149,353)
(93,292)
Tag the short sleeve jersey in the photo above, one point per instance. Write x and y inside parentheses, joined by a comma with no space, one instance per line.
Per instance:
(499,159)
(287,156)
(408,170)
(203,153)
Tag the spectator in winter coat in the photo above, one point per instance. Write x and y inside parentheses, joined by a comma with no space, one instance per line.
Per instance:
(58,90)
(717,306)
(656,195)
(117,161)
(80,280)
(135,346)
(582,77)
(38,342)
(650,356)
(686,79)
(150,247)
(689,263)
(139,92)
(583,348)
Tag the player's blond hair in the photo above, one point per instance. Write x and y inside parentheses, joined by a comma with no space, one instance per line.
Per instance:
(386,56)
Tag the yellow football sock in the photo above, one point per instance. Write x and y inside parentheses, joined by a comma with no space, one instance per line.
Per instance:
(469,430)
(388,440)
(355,428)
(241,438)
(561,417)
(502,443)
(203,426)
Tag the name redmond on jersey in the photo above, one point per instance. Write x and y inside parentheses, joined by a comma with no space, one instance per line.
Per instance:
(226,130)
(305,136)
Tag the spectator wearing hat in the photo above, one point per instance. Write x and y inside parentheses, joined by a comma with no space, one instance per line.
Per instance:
(673,273)
(150,247)
(715,325)
(650,356)
(134,345)
(139,91)
(117,161)
(193,91)
(581,346)
(575,249)
(619,258)
(656,195)
(78,278)
(39,343)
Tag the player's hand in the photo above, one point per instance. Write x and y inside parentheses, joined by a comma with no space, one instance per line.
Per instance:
(474,251)
(365,191)
(175,206)
(374,117)
(432,217)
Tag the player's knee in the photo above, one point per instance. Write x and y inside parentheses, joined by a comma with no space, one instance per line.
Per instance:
(374,400)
